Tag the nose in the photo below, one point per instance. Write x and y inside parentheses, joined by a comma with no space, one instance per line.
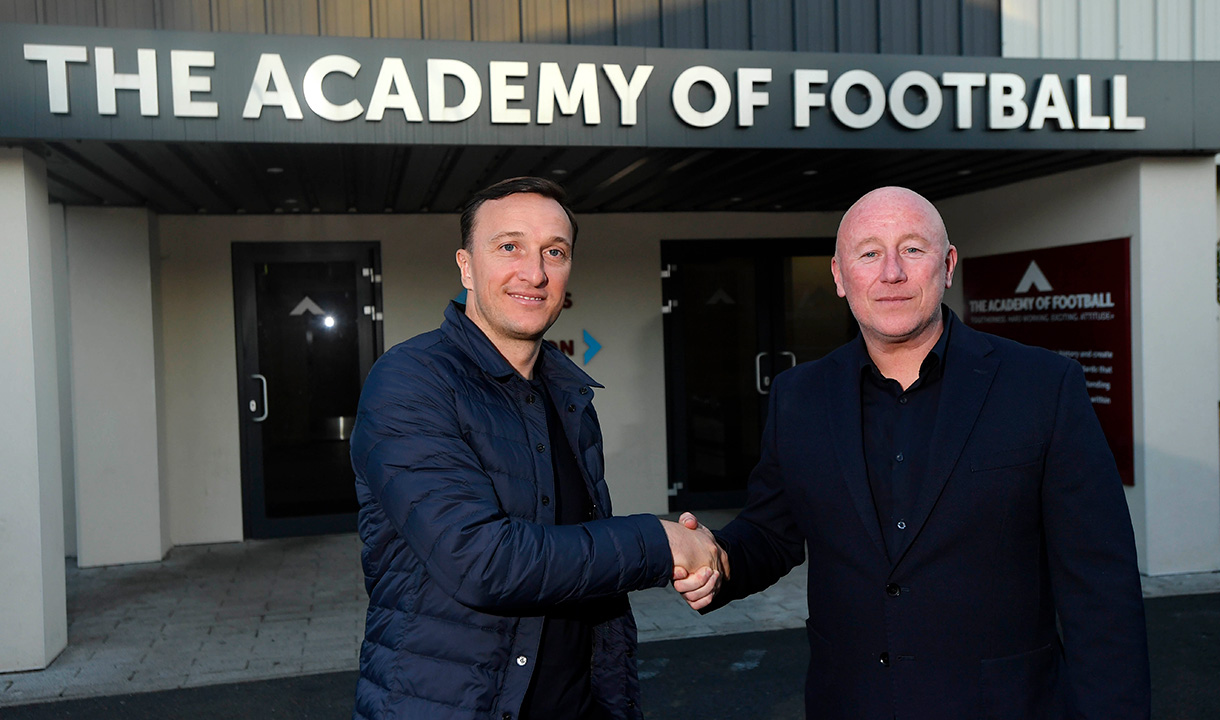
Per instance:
(532,270)
(891,269)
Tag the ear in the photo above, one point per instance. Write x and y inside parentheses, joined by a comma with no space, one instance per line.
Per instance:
(838,276)
(463,262)
(950,266)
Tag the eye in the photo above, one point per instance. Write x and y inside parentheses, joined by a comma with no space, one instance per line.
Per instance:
(913,250)
(555,252)
(509,247)
(870,254)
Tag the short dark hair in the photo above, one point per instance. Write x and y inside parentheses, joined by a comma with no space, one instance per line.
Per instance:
(514,186)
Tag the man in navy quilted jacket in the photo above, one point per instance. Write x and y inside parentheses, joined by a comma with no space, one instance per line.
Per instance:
(497,577)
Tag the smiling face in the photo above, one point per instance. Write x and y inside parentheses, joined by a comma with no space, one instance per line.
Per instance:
(516,270)
(893,262)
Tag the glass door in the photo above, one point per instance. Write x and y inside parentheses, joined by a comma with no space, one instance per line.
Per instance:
(308,332)
(736,314)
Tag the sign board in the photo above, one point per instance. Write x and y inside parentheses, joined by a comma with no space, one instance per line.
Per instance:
(1076,301)
(61,82)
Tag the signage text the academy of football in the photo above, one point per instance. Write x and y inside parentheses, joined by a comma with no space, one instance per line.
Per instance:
(452,90)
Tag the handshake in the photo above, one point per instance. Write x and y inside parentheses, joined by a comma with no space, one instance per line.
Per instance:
(699,562)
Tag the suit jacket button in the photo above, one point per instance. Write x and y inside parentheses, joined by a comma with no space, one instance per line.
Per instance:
(885,659)
(546,500)
(893,590)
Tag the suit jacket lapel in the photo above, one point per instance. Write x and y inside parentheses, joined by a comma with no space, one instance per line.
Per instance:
(969,370)
(846,428)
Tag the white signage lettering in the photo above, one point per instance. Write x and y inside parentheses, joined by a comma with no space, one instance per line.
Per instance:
(271,71)
(931,91)
(628,91)
(857,98)
(393,90)
(872,87)
(722,96)
(964,84)
(312,88)
(438,70)
(804,98)
(110,82)
(501,91)
(747,97)
(184,84)
(57,58)
(552,92)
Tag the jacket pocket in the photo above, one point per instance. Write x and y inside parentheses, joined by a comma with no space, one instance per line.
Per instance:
(1012,457)
(1021,686)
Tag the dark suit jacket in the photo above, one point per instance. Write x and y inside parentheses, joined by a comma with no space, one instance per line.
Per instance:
(1021,517)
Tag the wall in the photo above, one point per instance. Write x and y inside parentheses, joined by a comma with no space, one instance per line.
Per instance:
(1111,29)
(118,486)
(616,297)
(63,345)
(939,27)
(1167,206)
(33,613)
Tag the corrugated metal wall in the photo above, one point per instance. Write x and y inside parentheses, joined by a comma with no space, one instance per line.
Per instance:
(933,27)
(1112,29)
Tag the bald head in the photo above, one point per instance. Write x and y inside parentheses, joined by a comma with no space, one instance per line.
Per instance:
(893,262)
(891,206)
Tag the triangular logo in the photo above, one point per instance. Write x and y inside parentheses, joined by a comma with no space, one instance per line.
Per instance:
(1033,277)
(307,306)
(720,297)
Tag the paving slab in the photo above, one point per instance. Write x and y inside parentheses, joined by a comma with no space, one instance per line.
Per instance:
(266,609)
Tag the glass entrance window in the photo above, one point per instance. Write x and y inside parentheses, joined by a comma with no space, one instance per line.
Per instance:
(739,313)
(308,332)
(309,353)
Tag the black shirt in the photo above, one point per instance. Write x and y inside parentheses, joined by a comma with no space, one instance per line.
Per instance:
(897,432)
(561,688)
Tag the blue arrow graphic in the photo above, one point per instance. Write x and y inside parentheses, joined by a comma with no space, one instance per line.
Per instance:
(594,346)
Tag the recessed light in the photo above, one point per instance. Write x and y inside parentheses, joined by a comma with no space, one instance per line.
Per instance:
(274,170)
(317,209)
(809,172)
(964,172)
(352,209)
(559,171)
(777,207)
(734,199)
(290,201)
(279,210)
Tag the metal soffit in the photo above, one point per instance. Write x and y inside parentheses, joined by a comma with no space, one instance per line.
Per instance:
(225,179)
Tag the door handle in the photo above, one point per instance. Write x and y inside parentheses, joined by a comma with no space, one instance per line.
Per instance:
(263,380)
(760,382)
(791,356)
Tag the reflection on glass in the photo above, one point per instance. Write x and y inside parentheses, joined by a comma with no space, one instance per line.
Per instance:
(313,385)
(720,334)
(816,319)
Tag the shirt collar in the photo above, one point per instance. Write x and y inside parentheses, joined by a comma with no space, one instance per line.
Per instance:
(933,365)
(552,365)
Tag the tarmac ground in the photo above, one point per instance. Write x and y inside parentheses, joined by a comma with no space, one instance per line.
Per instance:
(752,676)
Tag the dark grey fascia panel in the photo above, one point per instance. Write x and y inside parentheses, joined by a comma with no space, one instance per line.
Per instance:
(1168,106)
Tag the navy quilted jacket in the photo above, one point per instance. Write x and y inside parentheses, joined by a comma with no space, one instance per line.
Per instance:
(461,554)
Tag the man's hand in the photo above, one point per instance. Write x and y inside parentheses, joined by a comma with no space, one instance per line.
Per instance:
(697,577)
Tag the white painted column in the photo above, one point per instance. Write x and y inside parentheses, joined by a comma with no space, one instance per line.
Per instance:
(1177,352)
(119,508)
(33,610)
